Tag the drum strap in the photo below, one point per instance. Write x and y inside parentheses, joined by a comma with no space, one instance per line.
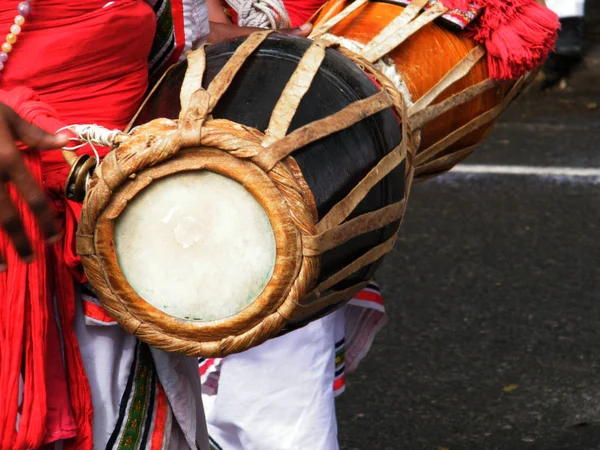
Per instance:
(474,124)
(318,129)
(340,211)
(456,73)
(319,244)
(421,117)
(400,29)
(294,91)
(370,257)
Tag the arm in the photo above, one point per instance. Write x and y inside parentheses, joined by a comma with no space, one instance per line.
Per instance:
(216,12)
(220,32)
(221,28)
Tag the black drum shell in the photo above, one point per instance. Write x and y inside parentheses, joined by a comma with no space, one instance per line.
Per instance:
(331,166)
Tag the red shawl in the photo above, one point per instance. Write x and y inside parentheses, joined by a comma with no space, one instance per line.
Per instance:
(74,62)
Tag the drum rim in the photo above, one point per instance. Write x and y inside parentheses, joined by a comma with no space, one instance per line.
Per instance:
(135,313)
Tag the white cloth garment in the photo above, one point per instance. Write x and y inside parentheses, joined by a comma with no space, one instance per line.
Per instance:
(567,8)
(114,363)
(281,394)
(278,396)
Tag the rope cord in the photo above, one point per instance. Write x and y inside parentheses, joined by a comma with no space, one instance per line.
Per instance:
(261,13)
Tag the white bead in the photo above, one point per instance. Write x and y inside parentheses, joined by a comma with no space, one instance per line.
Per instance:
(15,29)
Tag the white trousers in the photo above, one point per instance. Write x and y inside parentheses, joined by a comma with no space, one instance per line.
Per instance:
(566,8)
(279,395)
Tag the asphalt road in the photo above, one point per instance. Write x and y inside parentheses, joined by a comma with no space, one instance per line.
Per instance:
(493,294)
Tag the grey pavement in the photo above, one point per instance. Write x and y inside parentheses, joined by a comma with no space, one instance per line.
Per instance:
(493,293)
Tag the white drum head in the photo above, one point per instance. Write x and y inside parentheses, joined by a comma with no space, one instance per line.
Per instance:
(196,245)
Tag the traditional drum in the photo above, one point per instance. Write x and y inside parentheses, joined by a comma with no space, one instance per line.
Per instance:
(201,234)
(264,179)
(442,73)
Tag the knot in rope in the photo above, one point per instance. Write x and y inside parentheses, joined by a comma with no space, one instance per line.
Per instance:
(91,134)
(261,13)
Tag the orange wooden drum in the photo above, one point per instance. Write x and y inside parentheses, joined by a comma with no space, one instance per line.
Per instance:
(442,74)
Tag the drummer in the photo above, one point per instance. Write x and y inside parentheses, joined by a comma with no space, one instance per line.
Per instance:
(71,377)
(281,394)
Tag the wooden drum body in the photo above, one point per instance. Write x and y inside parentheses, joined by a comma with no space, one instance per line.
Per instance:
(442,73)
(263,198)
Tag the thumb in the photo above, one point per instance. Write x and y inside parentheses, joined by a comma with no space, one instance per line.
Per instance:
(303,30)
(34,136)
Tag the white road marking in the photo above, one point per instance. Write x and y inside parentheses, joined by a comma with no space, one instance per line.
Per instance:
(540,171)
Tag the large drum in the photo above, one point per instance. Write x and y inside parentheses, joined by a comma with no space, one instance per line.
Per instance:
(442,73)
(264,179)
(264,196)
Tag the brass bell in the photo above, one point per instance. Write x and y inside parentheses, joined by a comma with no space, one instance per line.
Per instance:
(81,167)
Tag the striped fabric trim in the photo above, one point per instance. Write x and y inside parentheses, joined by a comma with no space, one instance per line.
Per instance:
(160,419)
(204,364)
(369,297)
(92,308)
(339,381)
(164,43)
(124,400)
(180,26)
(456,17)
(96,312)
(144,408)
(210,371)
(213,444)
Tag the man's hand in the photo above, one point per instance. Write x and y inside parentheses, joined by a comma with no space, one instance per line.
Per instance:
(13,170)
(220,32)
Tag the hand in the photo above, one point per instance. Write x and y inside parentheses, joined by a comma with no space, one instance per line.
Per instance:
(13,169)
(302,31)
(220,32)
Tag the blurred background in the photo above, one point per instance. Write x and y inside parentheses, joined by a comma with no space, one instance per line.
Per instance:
(493,290)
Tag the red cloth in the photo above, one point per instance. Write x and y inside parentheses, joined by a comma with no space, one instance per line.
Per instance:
(300,11)
(518,34)
(74,62)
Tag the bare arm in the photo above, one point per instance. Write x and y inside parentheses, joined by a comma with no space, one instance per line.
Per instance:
(221,28)
(216,12)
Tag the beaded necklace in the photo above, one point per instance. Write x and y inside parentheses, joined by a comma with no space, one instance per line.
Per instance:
(24,8)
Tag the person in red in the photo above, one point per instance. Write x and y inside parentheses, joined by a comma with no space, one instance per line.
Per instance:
(70,377)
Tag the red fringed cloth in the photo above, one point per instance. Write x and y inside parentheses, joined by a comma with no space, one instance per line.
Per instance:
(518,34)
(74,62)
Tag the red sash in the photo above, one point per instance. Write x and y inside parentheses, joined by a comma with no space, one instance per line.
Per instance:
(75,62)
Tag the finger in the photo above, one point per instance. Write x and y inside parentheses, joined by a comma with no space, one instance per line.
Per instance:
(35,199)
(303,30)
(32,135)
(12,225)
